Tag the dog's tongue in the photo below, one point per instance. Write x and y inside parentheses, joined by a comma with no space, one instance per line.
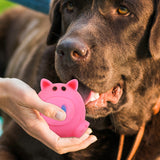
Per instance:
(100,100)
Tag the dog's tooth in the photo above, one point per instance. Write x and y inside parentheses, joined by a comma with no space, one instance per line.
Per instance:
(92,99)
(94,96)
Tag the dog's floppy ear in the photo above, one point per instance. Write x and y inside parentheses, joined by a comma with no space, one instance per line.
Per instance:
(55,16)
(155,34)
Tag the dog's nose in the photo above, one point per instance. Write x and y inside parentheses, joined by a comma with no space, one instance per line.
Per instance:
(74,48)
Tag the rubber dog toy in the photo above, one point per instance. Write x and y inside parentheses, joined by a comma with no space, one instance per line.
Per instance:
(68,99)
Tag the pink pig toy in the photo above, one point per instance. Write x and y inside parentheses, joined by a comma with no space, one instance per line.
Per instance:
(67,98)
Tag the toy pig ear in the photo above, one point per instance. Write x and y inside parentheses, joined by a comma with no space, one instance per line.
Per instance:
(45,83)
(73,84)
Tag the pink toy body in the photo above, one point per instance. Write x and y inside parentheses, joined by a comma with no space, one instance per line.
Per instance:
(67,98)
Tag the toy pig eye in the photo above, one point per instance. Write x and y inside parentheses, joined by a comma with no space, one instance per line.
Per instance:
(54,88)
(63,88)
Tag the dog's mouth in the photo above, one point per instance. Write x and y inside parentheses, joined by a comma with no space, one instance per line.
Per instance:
(100,100)
(101,104)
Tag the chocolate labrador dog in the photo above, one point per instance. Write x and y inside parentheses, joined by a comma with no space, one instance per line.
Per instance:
(112,48)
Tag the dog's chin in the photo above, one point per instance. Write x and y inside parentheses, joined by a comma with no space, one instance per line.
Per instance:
(101,104)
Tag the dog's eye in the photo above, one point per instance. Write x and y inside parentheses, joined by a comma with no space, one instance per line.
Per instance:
(69,7)
(122,10)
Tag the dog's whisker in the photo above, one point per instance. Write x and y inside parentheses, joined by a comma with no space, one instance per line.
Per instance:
(93,4)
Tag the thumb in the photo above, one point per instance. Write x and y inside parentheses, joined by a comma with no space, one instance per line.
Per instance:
(49,110)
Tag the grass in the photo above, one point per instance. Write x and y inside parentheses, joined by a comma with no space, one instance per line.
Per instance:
(4,5)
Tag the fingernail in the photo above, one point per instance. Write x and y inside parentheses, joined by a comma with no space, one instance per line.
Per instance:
(60,116)
(89,131)
(93,139)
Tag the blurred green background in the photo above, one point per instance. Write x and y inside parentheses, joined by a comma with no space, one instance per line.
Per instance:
(4,5)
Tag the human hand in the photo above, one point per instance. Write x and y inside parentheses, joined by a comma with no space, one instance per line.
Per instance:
(23,104)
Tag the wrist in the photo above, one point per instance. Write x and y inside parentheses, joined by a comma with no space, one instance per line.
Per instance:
(2,92)
(3,84)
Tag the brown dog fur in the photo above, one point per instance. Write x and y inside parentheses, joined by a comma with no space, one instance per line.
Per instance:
(121,49)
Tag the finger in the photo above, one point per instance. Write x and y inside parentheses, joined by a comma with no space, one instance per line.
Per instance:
(62,145)
(72,141)
(68,142)
(84,144)
(49,110)
(65,145)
